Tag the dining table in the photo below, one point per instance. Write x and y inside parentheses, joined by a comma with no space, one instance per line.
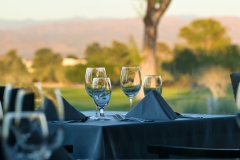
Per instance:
(113,139)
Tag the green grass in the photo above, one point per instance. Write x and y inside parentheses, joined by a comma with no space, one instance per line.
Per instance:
(181,100)
(195,101)
(79,98)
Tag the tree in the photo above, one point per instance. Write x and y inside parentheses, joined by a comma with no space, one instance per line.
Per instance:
(205,34)
(47,66)
(163,51)
(12,69)
(93,52)
(73,56)
(207,46)
(164,55)
(113,57)
(185,61)
(74,74)
(215,80)
(154,11)
(212,79)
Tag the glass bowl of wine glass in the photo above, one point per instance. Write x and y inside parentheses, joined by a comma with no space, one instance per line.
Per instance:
(130,82)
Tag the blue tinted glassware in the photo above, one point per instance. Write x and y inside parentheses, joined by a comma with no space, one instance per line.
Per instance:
(89,75)
(152,82)
(131,82)
(104,98)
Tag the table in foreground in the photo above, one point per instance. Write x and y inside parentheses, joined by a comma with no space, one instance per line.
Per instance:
(129,140)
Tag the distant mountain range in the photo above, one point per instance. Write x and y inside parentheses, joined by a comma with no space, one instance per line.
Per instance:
(73,35)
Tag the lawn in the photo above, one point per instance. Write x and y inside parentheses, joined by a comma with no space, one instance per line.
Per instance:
(181,100)
(79,98)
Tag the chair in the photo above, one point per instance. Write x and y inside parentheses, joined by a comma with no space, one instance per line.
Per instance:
(164,151)
(235,79)
(2,88)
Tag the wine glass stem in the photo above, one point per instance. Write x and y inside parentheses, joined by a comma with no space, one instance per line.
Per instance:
(101,111)
(130,99)
(96,113)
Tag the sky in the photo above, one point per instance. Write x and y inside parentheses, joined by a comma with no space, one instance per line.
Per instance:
(91,9)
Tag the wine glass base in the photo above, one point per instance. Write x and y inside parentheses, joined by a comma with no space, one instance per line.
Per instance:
(104,118)
(95,118)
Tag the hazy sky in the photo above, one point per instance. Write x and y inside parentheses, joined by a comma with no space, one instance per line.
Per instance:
(64,9)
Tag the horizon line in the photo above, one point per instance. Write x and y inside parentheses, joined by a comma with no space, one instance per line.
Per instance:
(110,18)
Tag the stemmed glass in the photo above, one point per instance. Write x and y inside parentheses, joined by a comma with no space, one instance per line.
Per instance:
(89,75)
(131,82)
(57,134)
(30,129)
(101,98)
(152,82)
(38,95)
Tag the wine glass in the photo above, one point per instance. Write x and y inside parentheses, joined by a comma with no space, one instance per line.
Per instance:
(24,135)
(131,82)
(102,99)
(152,82)
(57,134)
(89,75)
(55,139)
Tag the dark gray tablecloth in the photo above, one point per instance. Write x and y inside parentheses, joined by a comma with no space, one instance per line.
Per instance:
(128,140)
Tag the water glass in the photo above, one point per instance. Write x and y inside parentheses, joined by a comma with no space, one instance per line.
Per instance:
(89,75)
(152,82)
(103,100)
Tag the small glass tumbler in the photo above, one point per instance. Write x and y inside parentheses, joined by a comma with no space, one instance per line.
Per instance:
(152,82)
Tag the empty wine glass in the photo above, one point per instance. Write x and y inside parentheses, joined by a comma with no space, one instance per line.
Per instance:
(55,139)
(24,135)
(131,82)
(57,134)
(89,75)
(152,82)
(103,99)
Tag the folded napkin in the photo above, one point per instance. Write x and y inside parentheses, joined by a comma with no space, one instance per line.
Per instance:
(70,112)
(153,107)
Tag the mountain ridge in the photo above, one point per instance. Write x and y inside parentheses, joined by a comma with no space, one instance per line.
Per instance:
(73,35)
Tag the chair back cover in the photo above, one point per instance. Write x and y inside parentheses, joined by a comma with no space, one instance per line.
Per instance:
(2,88)
(235,79)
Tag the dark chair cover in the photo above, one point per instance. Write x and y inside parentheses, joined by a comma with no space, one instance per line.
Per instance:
(235,79)
(28,102)
(2,88)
